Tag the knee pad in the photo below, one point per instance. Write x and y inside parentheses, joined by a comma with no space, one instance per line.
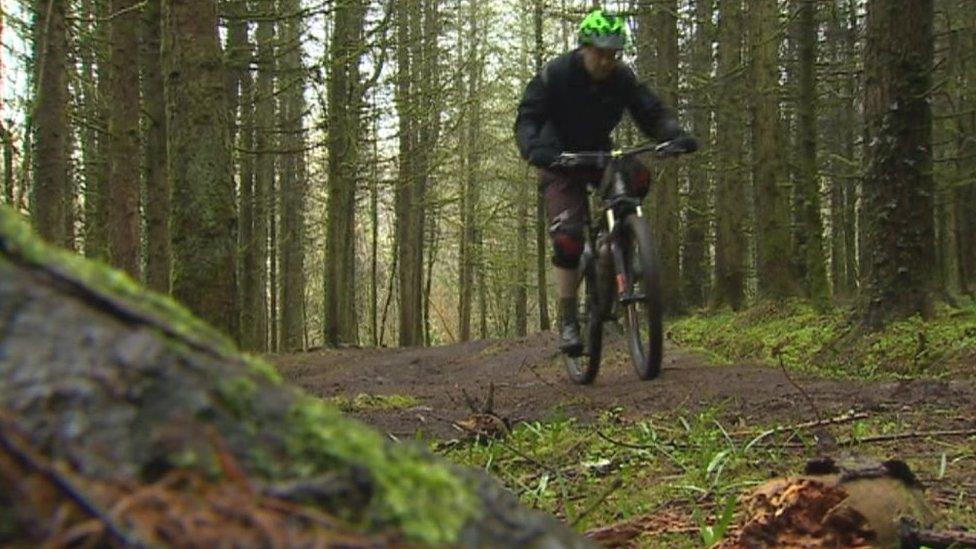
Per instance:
(567,242)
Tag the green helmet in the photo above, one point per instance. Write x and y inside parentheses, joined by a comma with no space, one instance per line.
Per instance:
(602,31)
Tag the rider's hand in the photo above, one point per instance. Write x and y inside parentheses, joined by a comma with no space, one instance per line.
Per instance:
(543,157)
(685,142)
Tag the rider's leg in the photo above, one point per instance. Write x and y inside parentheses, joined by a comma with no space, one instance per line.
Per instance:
(565,198)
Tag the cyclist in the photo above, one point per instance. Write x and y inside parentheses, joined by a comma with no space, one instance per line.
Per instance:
(572,105)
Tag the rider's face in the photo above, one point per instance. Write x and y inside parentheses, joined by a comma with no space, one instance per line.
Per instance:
(599,62)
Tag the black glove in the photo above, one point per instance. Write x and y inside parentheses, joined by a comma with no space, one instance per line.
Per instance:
(543,157)
(685,142)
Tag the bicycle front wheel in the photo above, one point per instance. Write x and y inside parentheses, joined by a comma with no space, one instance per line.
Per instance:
(583,369)
(642,299)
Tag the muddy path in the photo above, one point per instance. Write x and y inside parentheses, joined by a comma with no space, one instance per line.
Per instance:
(530,383)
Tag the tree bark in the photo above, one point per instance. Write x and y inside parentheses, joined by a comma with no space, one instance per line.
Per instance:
(695,259)
(541,242)
(768,169)
(964,190)
(809,246)
(345,106)
(157,204)
(730,250)
(256,331)
(417,85)
(199,164)
(94,137)
(50,119)
(838,131)
(471,189)
(667,206)
(294,183)
(899,188)
(8,164)
(124,223)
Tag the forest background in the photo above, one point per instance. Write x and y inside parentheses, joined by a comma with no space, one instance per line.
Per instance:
(358,183)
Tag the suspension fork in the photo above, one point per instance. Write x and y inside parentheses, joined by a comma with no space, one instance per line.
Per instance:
(619,260)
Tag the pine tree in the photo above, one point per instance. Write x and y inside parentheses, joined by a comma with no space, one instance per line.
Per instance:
(199,164)
(898,188)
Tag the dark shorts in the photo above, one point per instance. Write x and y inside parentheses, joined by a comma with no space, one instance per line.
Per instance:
(564,193)
(567,211)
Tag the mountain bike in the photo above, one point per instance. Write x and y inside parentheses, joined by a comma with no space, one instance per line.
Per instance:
(619,266)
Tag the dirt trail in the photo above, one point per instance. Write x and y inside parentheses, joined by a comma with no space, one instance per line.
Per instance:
(530,384)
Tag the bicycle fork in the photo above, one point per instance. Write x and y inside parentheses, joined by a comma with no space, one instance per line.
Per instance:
(624,277)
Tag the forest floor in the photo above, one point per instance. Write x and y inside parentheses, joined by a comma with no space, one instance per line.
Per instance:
(748,418)
(531,384)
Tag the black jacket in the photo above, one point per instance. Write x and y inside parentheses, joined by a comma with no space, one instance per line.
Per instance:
(564,110)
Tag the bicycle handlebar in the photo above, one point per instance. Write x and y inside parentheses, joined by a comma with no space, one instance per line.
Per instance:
(599,159)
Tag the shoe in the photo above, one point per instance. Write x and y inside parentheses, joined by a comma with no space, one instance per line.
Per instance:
(569,334)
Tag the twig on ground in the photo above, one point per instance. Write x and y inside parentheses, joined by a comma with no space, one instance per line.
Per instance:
(904,436)
(912,536)
(846,418)
(782,366)
(614,486)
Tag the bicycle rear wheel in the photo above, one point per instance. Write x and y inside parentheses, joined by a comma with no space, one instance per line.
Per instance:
(583,369)
(642,298)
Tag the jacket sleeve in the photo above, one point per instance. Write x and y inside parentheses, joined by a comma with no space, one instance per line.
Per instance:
(532,123)
(651,115)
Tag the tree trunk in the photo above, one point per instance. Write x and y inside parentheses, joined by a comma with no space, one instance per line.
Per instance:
(294,183)
(695,260)
(471,190)
(248,269)
(768,168)
(406,208)
(256,332)
(667,208)
(345,104)
(899,188)
(964,191)
(374,213)
(852,187)
(199,165)
(418,115)
(123,221)
(730,248)
(541,242)
(157,204)
(838,131)
(8,164)
(94,136)
(809,247)
(50,162)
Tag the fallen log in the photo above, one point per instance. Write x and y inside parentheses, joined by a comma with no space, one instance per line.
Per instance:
(126,421)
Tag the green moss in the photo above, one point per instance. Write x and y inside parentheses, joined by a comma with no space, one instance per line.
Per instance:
(18,242)
(237,394)
(373,403)
(804,338)
(426,500)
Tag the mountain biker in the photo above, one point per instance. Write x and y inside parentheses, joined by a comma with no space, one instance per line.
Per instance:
(572,105)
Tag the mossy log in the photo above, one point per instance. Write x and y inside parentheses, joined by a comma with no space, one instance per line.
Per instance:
(125,420)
